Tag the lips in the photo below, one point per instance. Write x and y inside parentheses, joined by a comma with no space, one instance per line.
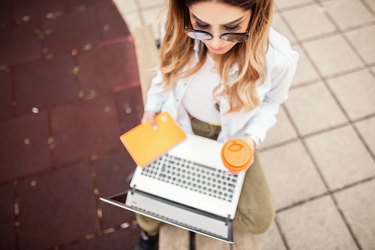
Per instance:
(217,50)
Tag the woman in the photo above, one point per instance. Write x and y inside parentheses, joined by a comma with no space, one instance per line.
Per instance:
(223,74)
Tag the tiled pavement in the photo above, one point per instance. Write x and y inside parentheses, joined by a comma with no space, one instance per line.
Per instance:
(69,87)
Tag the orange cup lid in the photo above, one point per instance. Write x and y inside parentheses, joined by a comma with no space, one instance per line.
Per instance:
(236,154)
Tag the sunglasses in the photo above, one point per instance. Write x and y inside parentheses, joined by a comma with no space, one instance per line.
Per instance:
(204,35)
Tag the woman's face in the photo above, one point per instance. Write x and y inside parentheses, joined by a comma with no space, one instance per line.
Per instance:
(218,18)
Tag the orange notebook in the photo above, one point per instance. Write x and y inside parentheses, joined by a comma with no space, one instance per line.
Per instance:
(145,144)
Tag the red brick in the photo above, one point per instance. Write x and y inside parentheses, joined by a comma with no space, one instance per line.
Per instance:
(57,207)
(7,205)
(113,174)
(112,24)
(123,239)
(19,44)
(45,83)
(36,9)
(130,107)
(5,95)
(24,146)
(84,128)
(71,30)
(106,67)
(5,10)
(114,216)
(7,236)
(72,4)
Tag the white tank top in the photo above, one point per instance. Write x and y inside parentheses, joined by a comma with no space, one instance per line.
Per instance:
(198,99)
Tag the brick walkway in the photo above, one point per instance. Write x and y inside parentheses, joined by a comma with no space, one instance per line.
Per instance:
(69,88)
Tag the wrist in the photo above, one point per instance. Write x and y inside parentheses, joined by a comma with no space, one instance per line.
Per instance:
(250,141)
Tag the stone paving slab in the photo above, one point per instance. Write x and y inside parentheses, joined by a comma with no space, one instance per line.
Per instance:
(341,157)
(311,116)
(355,92)
(358,206)
(326,53)
(301,226)
(291,175)
(366,130)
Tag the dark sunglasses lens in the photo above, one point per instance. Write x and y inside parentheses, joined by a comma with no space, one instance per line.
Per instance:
(199,35)
(236,38)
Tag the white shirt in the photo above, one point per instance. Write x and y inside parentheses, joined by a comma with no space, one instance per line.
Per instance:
(198,99)
(280,62)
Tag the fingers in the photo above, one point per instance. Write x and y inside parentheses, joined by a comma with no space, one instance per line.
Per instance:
(149,116)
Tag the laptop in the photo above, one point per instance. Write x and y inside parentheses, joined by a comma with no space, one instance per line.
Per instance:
(188,187)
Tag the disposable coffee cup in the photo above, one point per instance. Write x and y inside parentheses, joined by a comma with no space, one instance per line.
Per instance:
(236,155)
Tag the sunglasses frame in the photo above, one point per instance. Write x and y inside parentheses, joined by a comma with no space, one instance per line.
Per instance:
(245,34)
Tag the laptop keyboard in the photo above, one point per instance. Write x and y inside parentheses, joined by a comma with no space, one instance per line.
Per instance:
(193,176)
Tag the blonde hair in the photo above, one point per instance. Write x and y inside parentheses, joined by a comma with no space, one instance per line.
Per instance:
(177,49)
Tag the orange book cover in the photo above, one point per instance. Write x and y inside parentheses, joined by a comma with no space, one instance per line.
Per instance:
(145,144)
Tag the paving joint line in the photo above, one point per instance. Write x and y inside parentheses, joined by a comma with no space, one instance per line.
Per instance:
(96,234)
(282,234)
(311,134)
(296,6)
(96,193)
(139,10)
(368,7)
(62,166)
(16,214)
(327,193)
(305,83)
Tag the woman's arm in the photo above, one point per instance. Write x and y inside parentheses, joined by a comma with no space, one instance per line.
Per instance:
(265,117)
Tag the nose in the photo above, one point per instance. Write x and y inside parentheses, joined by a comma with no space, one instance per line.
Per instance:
(216,42)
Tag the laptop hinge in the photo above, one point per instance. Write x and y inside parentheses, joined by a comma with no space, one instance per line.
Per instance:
(228,220)
(133,189)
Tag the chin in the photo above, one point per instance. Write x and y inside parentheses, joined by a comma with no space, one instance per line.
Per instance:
(221,51)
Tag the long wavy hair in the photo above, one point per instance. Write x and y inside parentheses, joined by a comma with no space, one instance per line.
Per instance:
(177,49)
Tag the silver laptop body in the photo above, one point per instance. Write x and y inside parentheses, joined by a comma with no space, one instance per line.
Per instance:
(188,187)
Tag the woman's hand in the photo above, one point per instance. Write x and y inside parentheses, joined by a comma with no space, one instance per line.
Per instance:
(149,116)
(251,143)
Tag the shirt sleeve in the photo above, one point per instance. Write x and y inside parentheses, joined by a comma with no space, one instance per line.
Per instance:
(265,117)
(157,94)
